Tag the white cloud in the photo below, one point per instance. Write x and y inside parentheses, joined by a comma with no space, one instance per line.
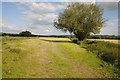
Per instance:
(40,19)
(41,15)
(108,5)
(41,7)
(18,0)
(48,0)
(107,0)
(45,7)
(10,27)
(7,24)
(1,23)
(93,1)
(112,22)
(110,27)
(47,30)
(41,12)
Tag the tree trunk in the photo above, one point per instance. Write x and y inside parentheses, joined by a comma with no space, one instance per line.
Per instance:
(80,35)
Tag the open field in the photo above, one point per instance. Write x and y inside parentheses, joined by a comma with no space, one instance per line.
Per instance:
(40,57)
(107,40)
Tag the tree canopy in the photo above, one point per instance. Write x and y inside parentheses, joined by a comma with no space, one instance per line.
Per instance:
(80,19)
(25,33)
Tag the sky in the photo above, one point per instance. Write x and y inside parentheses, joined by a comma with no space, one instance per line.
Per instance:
(38,16)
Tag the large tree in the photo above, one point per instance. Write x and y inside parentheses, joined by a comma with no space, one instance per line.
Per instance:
(80,19)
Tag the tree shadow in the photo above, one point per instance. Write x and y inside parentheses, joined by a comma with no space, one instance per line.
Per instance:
(57,41)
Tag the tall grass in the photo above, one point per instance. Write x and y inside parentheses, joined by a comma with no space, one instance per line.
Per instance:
(105,50)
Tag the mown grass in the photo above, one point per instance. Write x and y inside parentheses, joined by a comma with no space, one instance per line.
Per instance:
(14,57)
(84,57)
(89,60)
(60,68)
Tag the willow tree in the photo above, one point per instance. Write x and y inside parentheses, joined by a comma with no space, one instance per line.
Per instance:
(80,19)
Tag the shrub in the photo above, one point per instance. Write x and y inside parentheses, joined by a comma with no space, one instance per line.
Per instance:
(25,34)
(107,58)
(105,50)
(75,40)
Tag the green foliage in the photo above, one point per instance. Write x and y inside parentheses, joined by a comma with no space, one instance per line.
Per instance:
(75,40)
(80,19)
(105,50)
(25,34)
(104,37)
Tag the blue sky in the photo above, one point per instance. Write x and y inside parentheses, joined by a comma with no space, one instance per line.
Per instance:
(38,17)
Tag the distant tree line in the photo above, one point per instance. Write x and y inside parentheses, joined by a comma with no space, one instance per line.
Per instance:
(22,34)
(104,37)
(29,34)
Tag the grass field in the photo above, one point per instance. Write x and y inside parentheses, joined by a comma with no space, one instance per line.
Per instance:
(40,57)
(106,40)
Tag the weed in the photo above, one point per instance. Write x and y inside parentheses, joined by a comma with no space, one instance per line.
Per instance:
(105,50)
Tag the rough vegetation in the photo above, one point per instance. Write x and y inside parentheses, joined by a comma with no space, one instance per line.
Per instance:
(105,50)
